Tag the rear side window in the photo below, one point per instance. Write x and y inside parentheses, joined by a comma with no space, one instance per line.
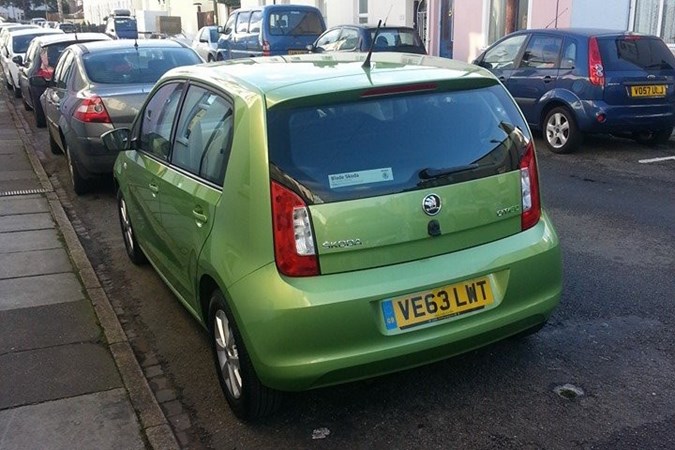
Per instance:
(635,52)
(145,65)
(295,23)
(203,135)
(395,143)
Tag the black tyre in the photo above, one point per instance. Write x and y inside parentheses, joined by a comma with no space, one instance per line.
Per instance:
(652,138)
(26,106)
(134,252)
(53,146)
(39,114)
(248,398)
(80,184)
(560,131)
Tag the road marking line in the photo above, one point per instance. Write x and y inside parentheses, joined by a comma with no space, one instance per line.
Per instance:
(645,161)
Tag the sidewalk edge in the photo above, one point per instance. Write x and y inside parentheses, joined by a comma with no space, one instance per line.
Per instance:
(151,418)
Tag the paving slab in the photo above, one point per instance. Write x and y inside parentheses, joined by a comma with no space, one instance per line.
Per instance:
(20,186)
(25,241)
(14,161)
(9,146)
(10,175)
(23,204)
(47,326)
(25,222)
(54,373)
(103,421)
(26,264)
(40,290)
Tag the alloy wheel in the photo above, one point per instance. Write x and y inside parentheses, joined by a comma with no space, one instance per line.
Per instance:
(228,357)
(557,130)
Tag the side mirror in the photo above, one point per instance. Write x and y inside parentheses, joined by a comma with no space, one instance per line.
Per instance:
(18,60)
(117,140)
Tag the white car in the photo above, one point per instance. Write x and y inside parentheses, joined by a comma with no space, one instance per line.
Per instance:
(16,44)
(206,42)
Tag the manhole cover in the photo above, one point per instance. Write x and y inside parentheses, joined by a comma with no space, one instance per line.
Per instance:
(568,391)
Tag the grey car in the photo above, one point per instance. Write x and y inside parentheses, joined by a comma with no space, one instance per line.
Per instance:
(99,86)
(41,57)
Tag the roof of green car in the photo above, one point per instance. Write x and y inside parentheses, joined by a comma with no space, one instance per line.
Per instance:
(281,78)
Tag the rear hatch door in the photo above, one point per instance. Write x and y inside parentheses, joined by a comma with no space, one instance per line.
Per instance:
(401,178)
(639,70)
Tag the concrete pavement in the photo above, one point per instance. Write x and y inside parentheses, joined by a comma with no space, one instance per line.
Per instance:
(68,376)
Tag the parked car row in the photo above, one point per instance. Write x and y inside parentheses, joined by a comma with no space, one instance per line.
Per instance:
(327,218)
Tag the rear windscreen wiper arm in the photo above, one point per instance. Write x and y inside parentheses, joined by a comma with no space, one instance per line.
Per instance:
(429,173)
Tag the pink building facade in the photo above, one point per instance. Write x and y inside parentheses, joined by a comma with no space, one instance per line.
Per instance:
(472,25)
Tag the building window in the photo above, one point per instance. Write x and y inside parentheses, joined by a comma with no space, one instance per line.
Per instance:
(363,11)
(655,17)
(506,16)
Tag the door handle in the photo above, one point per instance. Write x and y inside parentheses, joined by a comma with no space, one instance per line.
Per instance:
(548,79)
(154,189)
(199,216)
(502,79)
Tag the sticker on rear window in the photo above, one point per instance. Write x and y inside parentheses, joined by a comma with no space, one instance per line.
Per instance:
(339,180)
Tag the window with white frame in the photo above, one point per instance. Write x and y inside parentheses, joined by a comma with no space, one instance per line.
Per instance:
(655,17)
(506,16)
(363,11)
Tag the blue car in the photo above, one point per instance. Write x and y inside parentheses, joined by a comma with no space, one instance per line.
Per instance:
(270,30)
(570,82)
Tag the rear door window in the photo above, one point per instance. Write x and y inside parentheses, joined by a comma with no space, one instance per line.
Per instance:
(394,144)
(635,53)
(295,23)
(542,52)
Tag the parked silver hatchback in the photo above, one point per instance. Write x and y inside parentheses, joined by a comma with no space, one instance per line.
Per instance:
(99,86)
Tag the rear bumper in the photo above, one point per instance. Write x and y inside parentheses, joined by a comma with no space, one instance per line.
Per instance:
(91,156)
(626,118)
(304,333)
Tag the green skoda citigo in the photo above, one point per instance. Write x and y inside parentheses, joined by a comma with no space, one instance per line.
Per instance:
(329,219)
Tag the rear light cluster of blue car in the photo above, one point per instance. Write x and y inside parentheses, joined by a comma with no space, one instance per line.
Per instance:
(596,70)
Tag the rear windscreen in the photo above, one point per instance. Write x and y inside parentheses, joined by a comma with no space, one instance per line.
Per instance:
(144,65)
(394,144)
(125,24)
(635,52)
(393,39)
(295,23)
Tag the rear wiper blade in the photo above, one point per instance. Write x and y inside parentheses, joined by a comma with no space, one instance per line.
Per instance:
(429,173)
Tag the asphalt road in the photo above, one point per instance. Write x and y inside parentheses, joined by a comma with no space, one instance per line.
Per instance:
(600,375)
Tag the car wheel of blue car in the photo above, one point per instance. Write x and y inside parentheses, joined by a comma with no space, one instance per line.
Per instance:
(560,131)
(649,137)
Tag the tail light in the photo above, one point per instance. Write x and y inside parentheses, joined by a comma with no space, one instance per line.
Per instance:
(92,110)
(294,249)
(266,51)
(529,186)
(596,70)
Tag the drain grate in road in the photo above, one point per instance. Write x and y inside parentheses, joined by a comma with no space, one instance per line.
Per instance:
(23,192)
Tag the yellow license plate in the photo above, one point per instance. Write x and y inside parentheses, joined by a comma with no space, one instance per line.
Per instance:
(652,90)
(297,52)
(428,306)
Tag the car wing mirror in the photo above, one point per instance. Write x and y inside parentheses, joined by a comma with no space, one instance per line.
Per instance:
(117,140)
(18,60)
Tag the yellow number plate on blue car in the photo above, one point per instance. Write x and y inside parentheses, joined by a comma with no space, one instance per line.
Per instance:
(427,306)
(652,90)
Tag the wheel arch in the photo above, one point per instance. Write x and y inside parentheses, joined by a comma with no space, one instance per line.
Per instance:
(560,97)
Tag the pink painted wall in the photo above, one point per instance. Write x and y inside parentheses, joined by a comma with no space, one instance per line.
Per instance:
(468,35)
(543,13)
